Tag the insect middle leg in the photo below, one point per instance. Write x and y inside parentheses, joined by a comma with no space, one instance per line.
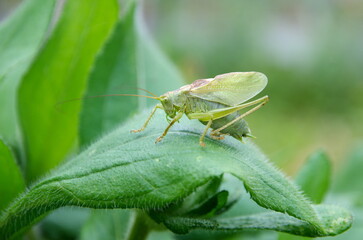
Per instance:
(175,119)
(148,119)
(201,142)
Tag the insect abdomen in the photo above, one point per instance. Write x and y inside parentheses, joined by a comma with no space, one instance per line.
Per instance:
(237,130)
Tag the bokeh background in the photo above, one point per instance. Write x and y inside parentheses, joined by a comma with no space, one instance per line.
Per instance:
(311,51)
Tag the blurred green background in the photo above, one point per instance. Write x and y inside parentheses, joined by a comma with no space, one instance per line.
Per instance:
(311,51)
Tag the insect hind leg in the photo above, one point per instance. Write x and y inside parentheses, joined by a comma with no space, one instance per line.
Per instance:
(262,101)
(218,135)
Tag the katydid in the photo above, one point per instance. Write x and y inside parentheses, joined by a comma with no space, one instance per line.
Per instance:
(216,102)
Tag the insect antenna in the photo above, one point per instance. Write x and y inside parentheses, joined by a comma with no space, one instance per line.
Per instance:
(99,96)
(147,91)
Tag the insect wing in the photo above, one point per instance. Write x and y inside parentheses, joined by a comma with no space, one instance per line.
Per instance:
(230,88)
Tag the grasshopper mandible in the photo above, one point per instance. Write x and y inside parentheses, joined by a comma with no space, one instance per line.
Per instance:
(215,102)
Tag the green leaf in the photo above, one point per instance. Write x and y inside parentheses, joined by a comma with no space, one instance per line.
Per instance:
(20,38)
(350,178)
(64,223)
(212,198)
(211,206)
(335,220)
(10,174)
(121,66)
(314,180)
(196,200)
(116,224)
(314,177)
(59,73)
(106,225)
(356,232)
(166,235)
(126,170)
(129,60)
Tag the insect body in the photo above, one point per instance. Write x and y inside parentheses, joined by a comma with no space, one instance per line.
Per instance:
(216,102)
(237,130)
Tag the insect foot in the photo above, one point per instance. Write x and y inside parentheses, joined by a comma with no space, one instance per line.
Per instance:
(137,130)
(158,139)
(217,135)
(202,144)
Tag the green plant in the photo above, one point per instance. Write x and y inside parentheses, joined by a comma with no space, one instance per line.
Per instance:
(175,185)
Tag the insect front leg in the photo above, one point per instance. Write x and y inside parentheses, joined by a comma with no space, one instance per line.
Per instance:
(148,119)
(263,101)
(175,119)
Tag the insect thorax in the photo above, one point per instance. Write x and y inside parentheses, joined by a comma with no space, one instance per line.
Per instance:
(173,102)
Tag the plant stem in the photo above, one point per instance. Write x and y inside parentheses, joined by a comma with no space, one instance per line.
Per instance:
(139,227)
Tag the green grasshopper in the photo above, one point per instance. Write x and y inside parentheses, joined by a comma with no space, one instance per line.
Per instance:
(215,102)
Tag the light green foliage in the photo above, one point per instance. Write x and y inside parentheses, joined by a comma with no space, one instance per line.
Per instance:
(59,73)
(20,37)
(128,60)
(314,177)
(114,173)
(348,188)
(161,236)
(11,179)
(349,180)
(64,223)
(106,224)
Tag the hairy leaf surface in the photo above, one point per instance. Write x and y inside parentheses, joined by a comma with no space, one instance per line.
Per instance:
(9,173)
(126,170)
